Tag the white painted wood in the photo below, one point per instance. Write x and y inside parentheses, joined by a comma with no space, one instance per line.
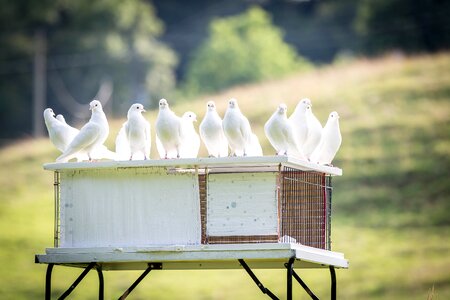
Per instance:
(267,255)
(247,161)
(129,207)
(242,204)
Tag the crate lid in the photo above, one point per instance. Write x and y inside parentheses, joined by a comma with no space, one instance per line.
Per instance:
(240,163)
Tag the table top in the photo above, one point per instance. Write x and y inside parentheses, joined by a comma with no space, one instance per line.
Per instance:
(189,257)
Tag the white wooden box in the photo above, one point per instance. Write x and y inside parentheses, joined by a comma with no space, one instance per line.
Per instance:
(187,202)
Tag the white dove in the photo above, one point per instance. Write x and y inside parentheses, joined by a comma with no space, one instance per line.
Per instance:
(298,121)
(57,131)
(279,131)
(91,135)
(190,140)
(211,132)
(168,130)
(314,132)
(237,129)
(329,143)
(99,152)
(134,136)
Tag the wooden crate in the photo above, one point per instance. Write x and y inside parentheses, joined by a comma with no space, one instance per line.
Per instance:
(192,202)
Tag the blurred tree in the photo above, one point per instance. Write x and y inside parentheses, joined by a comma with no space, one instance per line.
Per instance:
(86,42)
(240,49)
(411,26)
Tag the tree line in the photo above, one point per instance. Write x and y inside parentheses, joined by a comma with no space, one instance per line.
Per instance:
(71,51)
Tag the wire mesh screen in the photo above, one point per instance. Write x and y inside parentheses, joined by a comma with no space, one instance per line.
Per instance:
(203,195)
(305,208)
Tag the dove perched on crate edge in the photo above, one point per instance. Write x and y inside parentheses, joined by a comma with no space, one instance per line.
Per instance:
(93,134)
(168,131)
(211,132)
(329,143)
(314,132)
(59,133)
(237,129)
(298,121)
(134,137)
(279,131)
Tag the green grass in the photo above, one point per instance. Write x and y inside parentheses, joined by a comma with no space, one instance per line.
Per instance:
(390,209)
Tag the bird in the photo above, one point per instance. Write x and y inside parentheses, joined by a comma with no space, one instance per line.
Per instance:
(93,134)
(190,140)
(168,131)
(211,132)
(58,132)
(134,136)
(279,131)
(329,143)
(99,152)
(237,129)
(314,132)
(298,121)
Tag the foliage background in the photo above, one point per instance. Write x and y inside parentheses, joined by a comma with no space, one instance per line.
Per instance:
(383,65)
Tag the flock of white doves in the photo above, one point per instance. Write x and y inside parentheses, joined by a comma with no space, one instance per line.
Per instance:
(301,135)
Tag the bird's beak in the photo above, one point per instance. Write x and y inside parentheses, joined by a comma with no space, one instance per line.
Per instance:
(143,110)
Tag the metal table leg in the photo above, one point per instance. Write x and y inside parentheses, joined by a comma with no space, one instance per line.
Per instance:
(48,282)
(101,283)
(333,283)
(256,280)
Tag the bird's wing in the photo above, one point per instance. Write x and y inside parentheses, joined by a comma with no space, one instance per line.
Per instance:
(254,148)
(87,135)
(160,147)
(148,139)
(122,144)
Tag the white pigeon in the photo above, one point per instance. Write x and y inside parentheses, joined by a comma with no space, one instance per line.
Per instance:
(237,129)
(99,152)
(298,121)
(190,140)
(279,131)
(314,132)
(134,136)
(93,134)
(330,142)
(168,130)
(57,131)
(211,132)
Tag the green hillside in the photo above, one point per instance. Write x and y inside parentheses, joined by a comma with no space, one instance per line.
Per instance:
(390,209)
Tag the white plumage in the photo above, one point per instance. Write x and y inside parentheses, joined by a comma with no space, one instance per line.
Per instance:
(134,139)
(237,129)
(254,148)
(190,140)
(314,132)
(92,135)
(330,142)
(279,132)
(99,152)
(168,131)
(298,121)
(211,132)
(59,133)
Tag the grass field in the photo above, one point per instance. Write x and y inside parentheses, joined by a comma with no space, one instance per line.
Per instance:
(390,209)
